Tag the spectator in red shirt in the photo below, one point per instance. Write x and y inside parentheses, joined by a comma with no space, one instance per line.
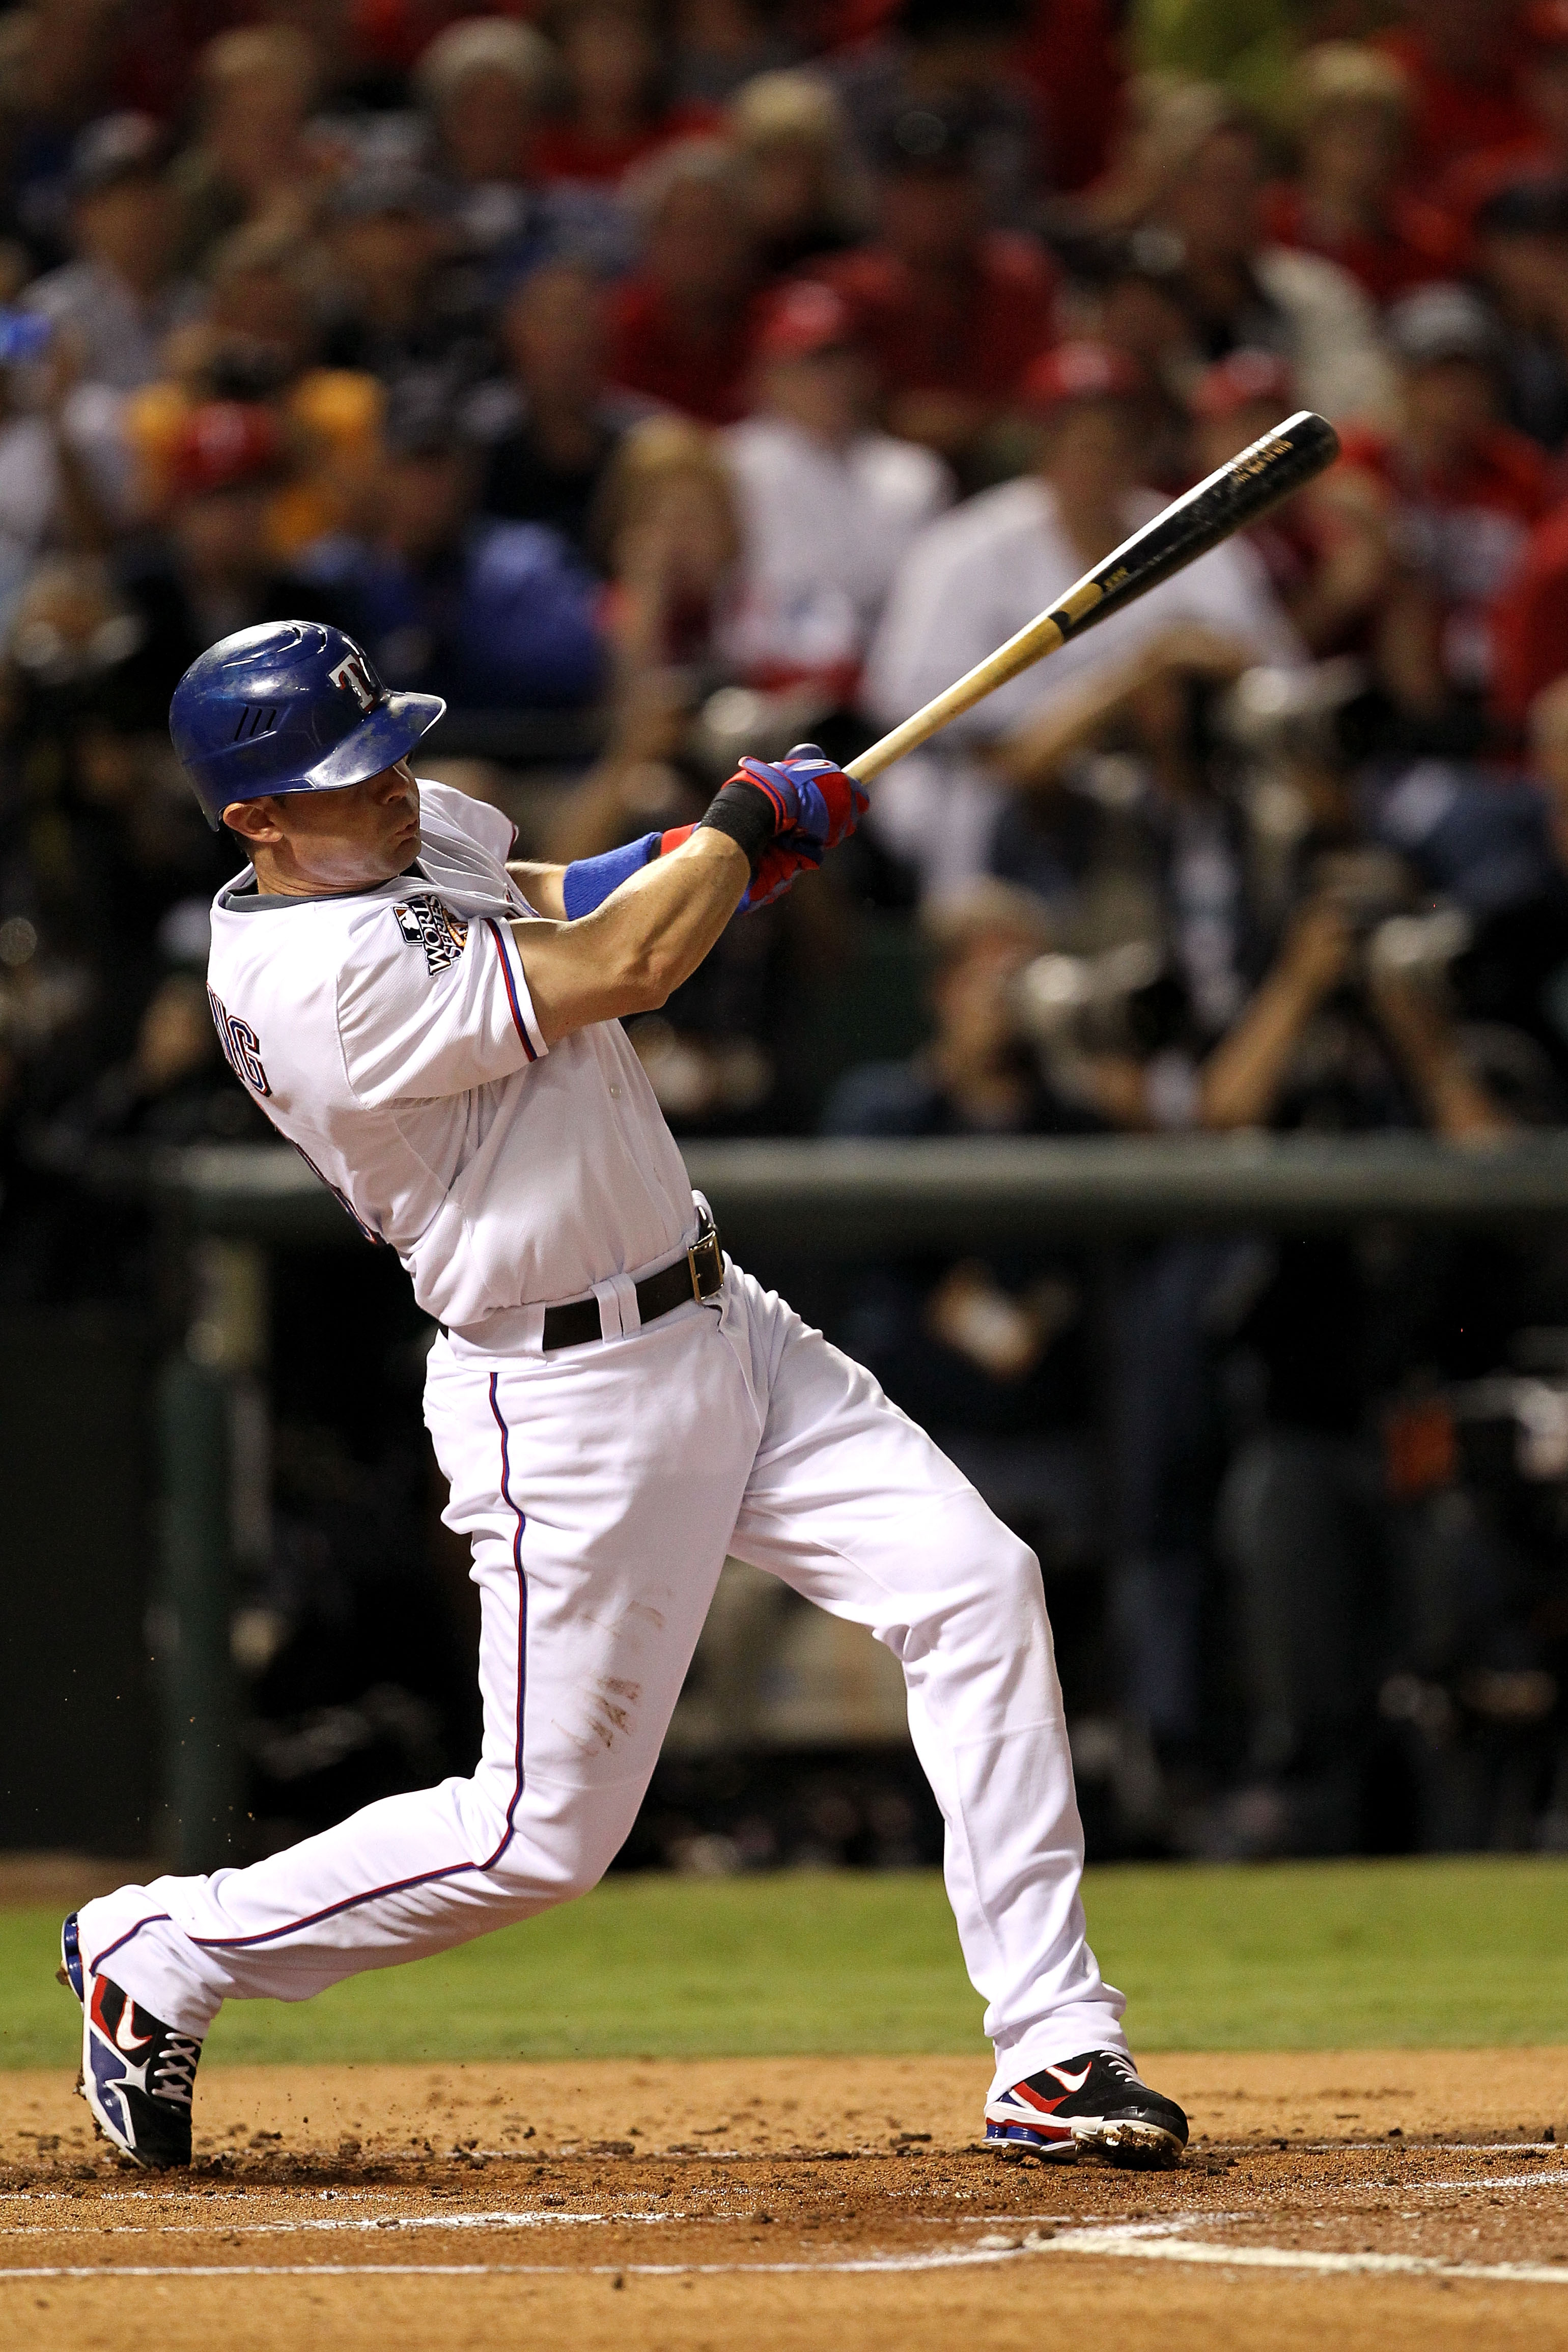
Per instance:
(620,111)
(951,311)
(1541,153)
(1346,201)
(683,328)
(1072,56)
(1466,489)
(1463,58)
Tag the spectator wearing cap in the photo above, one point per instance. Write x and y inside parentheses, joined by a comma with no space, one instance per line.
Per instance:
(1519,258)
(620,107)
(492,615)
(209,568)
(1241,292)
(122,294)
(954,53)
(805,194)
(400,305)
(1465,490)
(260,341)
(977,575)
(251,161)
(1541,151)
(487,86)
(1464,60)
(1347,200)
(552,424)
(682,328)
(829,507)
(950,311)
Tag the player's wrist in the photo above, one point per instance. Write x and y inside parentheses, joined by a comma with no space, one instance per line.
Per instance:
(746,813)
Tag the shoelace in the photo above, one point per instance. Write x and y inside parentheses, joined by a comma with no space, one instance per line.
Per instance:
(174,2076)
(1123,2066)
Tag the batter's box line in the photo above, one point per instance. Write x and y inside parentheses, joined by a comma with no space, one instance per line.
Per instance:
(1158,2242)
(366,2225)
(972,2258)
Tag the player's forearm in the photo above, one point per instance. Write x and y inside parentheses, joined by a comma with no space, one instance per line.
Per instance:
(629,954)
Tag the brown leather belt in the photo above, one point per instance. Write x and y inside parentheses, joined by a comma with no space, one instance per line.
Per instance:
(698,1274)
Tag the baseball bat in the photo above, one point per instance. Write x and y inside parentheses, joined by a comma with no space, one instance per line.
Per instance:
(1228,501)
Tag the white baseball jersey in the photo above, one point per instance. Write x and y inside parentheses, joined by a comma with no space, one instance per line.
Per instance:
(390,1035)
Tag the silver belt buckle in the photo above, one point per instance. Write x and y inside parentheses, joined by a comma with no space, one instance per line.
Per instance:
(705,1258)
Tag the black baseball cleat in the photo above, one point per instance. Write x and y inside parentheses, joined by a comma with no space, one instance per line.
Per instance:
(1096,2101)
(138,2075)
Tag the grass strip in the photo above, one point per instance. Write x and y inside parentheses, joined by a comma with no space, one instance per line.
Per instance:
(1467,1952)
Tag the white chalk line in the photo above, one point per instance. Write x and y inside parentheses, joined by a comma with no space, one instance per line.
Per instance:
(1140,2242)
(1111,2243)
(218,2227)
(970,2258)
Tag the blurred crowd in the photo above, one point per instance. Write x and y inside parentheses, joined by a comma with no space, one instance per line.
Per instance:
(659,379)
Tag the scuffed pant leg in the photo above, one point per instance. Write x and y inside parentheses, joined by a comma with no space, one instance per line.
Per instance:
(851,1504)
(599,1492)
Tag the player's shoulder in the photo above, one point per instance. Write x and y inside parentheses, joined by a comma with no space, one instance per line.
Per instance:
(457,817)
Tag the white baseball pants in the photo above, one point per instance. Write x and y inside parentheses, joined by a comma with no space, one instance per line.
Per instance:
(601,1487)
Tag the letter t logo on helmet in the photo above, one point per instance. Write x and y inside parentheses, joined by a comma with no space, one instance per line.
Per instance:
(289,707)
(355,679)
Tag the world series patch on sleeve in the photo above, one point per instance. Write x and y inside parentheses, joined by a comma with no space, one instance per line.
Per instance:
(426,922)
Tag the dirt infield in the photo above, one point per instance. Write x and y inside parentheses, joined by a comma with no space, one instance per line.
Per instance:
(1396,2197)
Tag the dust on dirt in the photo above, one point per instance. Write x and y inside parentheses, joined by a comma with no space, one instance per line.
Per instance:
(1389,2197)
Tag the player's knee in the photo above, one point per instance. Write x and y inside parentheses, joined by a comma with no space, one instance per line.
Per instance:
(989,1564)
(556,1853)
(1011,1573)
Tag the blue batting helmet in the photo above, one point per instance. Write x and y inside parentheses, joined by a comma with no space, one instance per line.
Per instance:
(291,706)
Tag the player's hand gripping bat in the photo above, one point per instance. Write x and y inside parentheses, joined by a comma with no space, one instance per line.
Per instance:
(1230,500)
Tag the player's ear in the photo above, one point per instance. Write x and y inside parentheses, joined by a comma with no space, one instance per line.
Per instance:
(254,820)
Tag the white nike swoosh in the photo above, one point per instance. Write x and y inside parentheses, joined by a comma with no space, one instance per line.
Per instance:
(137,2041)
(1069,2082)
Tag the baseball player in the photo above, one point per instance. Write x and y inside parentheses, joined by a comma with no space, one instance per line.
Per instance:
(615,1404)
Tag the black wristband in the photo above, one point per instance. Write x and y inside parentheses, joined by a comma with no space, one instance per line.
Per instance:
(744,811)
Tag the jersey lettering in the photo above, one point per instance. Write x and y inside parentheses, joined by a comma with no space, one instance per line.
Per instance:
(428,923)
(241,1045)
